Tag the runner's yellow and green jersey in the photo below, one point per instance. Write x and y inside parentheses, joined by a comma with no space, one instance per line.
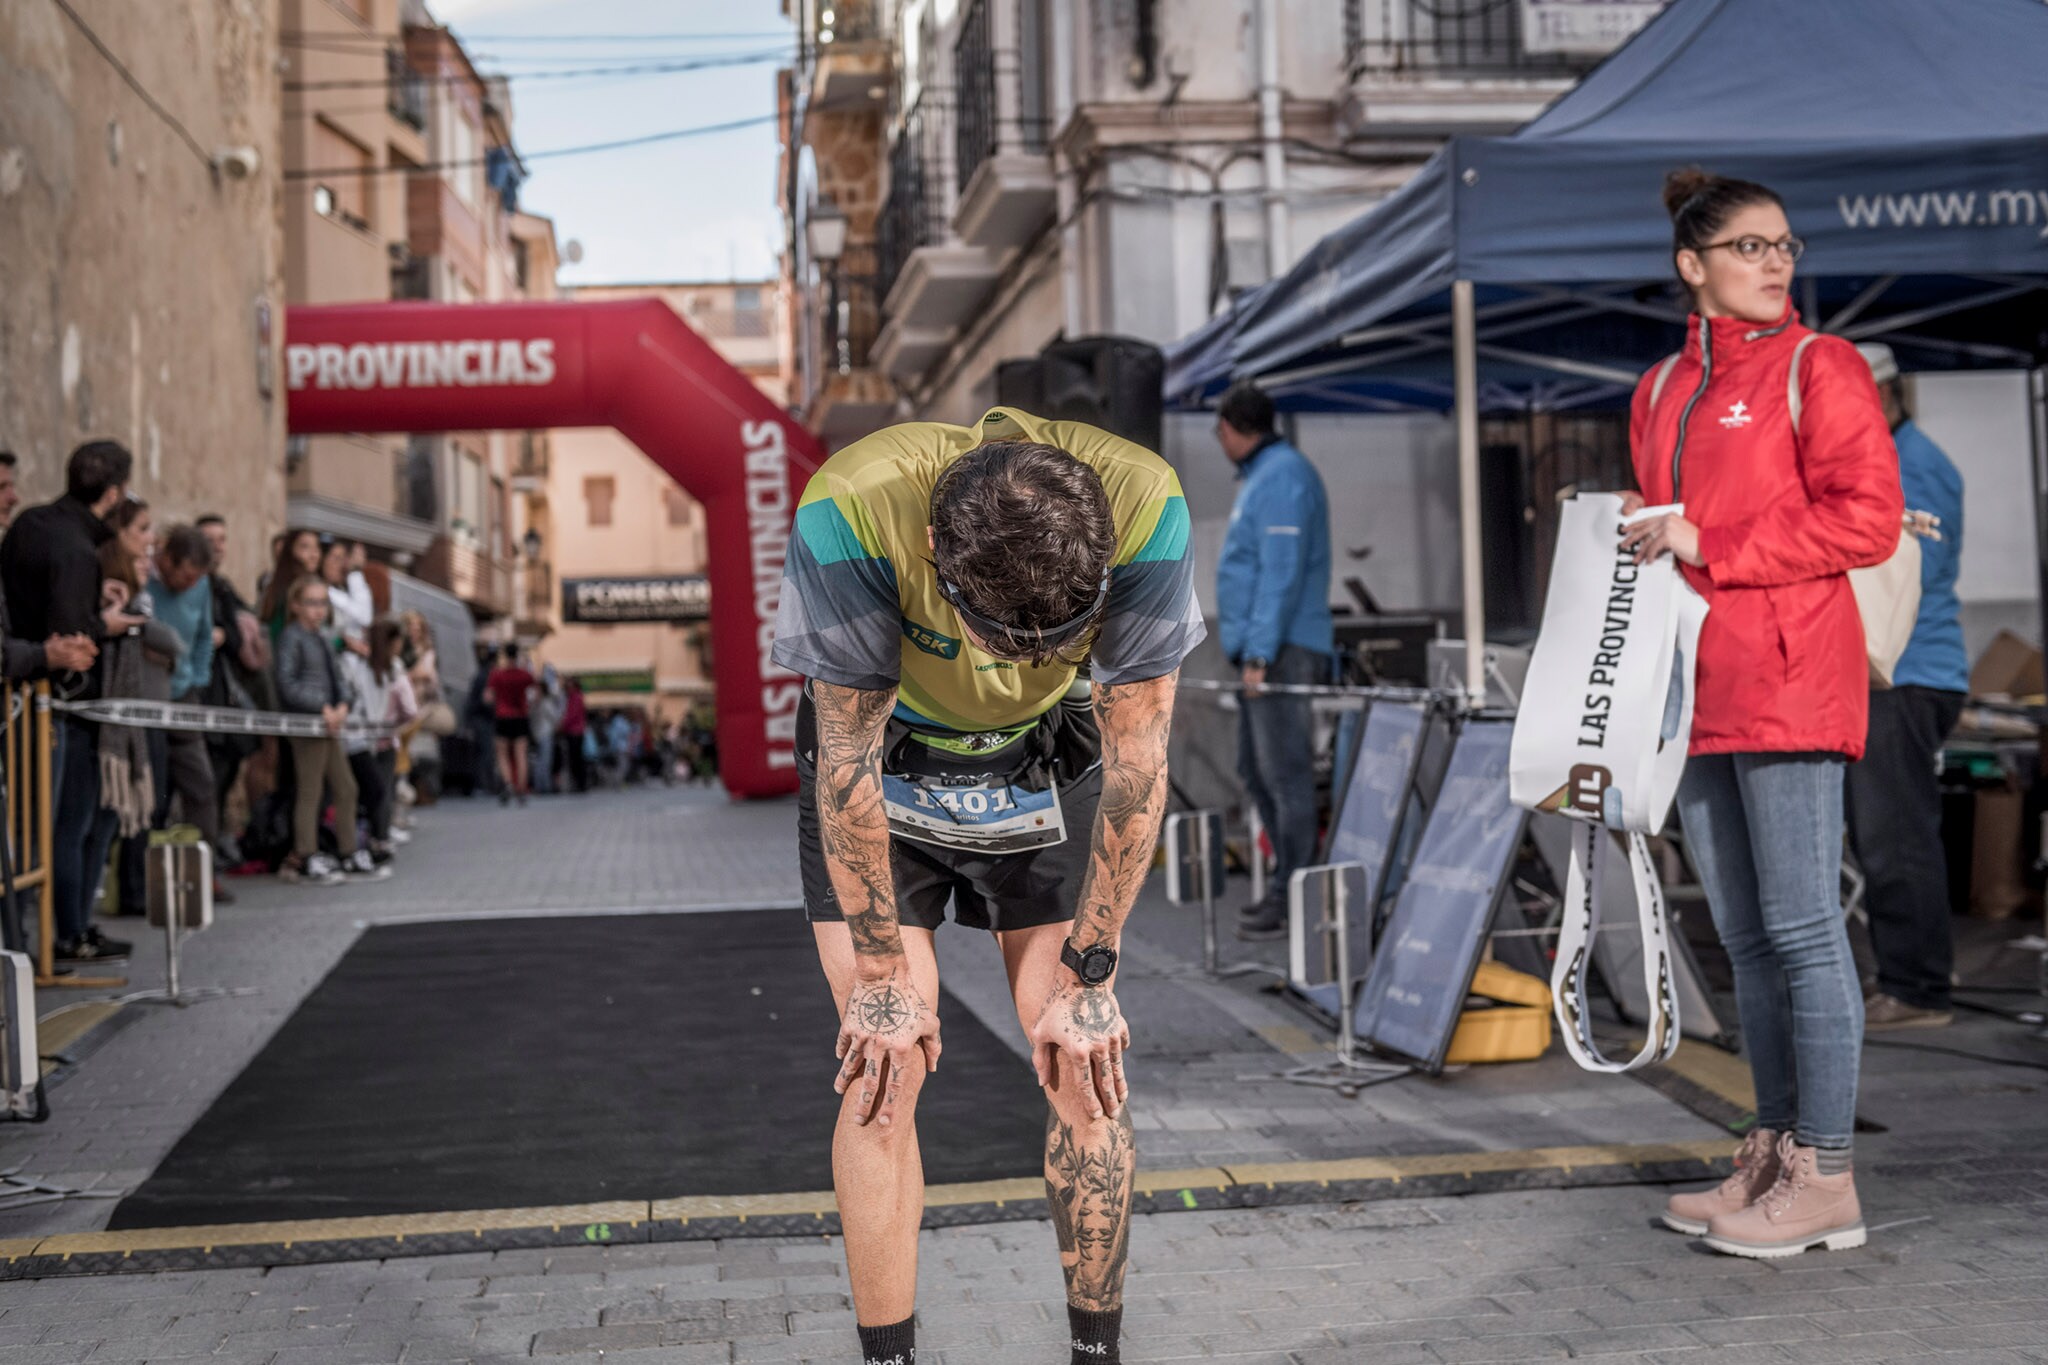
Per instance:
(860,600)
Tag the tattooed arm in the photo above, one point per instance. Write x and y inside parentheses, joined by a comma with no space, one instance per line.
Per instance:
(889,1026)
(1081,1026)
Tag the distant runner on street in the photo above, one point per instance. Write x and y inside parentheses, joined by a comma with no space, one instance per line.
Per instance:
(945,588)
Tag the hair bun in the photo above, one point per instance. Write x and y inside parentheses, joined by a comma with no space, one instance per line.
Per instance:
(1682,184)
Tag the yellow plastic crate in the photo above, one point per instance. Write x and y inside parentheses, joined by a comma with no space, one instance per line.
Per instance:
(1516,1030)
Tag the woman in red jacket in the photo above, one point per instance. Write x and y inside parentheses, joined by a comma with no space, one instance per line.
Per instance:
(1773,519)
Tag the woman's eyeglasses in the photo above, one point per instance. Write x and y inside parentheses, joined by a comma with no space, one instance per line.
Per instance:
(1754,249)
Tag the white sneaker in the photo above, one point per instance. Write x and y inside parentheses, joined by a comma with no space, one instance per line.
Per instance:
(319,869)
(400,835)
(361,866)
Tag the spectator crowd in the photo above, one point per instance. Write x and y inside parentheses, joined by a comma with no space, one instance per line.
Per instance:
(107,602)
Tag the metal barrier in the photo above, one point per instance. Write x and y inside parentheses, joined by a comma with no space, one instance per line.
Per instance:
(25,809)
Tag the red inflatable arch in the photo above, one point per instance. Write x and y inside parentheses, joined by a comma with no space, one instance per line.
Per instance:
(630,364)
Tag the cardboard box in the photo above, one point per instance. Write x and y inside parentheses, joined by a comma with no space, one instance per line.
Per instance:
(2008,667)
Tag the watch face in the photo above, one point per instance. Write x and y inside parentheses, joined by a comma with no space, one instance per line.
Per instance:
(1096,965)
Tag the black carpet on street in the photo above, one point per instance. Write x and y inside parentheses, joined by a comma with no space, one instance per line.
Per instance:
(489,1064)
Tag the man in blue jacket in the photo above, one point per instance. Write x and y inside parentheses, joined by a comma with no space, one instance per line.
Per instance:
(1893,796)
(1273,605)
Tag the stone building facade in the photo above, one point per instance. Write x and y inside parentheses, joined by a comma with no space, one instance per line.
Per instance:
(141,289)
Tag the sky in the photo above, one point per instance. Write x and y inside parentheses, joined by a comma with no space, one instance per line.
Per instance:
(696,208)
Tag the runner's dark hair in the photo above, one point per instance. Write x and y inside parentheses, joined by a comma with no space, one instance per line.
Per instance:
(1024,531)
(1701,203)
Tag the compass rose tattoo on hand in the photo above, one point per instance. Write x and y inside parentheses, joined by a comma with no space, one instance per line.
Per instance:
(889,1028)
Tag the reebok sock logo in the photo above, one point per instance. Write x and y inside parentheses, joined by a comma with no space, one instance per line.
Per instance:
(1090,1350)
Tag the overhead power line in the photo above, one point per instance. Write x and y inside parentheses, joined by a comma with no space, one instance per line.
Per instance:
(127,76)
(614,37)
(306,38)
(431,167)
(637,69)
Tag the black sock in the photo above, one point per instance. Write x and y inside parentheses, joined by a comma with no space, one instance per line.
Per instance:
(1095,1335)
(895,1344)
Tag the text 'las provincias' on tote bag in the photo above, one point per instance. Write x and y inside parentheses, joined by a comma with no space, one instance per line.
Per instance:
(1600,738)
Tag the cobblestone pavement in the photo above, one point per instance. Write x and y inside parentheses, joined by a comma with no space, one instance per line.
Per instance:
(1956,1271)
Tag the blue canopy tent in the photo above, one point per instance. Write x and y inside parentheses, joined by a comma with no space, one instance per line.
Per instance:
(1910,142)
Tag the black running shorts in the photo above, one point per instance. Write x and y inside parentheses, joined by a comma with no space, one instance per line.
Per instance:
(988,891)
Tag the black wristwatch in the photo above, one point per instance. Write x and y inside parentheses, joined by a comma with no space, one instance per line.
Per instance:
(1093,965)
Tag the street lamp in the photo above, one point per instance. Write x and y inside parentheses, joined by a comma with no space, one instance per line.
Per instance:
(531,542)
(825,230)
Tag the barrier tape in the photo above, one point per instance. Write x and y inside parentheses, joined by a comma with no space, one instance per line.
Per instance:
(213,720)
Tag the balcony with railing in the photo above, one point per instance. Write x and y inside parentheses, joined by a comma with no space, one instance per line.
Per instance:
(538,601)
(850,397)
(1437,67)
(405,90)
(929,279)
(482,581)
(848,54)
(1003,125)
(530,464)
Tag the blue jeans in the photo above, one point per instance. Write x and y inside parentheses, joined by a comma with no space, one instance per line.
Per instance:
(1276,759)
(75,775)
(1765,831)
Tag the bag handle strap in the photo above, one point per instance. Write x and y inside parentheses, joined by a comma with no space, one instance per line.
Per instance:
(1794,404)
(1591,848)
(1664,370)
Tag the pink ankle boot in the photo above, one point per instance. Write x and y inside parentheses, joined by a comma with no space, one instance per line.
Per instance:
(1803,1209)
(1756,1170)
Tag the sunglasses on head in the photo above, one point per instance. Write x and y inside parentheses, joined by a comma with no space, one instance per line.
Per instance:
(1024,642)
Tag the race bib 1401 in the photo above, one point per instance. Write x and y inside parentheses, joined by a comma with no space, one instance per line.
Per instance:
(985,817)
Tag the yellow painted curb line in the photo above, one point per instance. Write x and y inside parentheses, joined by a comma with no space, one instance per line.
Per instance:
(820,1204)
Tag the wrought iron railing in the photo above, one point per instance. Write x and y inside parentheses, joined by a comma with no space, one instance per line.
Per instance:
(920,198)
(1474,37)
(852,310)
(405,90)
(540,588)
(981,127)
(533,456)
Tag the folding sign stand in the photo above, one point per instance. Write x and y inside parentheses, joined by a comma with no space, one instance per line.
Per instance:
(1329,888)
(1255,833)
(1194,872)
(181,898)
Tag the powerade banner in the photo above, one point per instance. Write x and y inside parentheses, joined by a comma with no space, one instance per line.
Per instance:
(616,601)
(629,364)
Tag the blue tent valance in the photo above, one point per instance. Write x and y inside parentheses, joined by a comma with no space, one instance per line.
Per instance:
(1910,141)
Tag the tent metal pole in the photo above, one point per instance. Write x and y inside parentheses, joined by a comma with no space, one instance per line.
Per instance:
(1465,354)
(2037,429)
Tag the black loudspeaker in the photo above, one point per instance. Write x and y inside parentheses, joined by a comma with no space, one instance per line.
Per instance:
(1110,382)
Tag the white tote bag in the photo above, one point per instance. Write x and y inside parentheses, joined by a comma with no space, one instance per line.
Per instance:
(1601,737)
(1888,600)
